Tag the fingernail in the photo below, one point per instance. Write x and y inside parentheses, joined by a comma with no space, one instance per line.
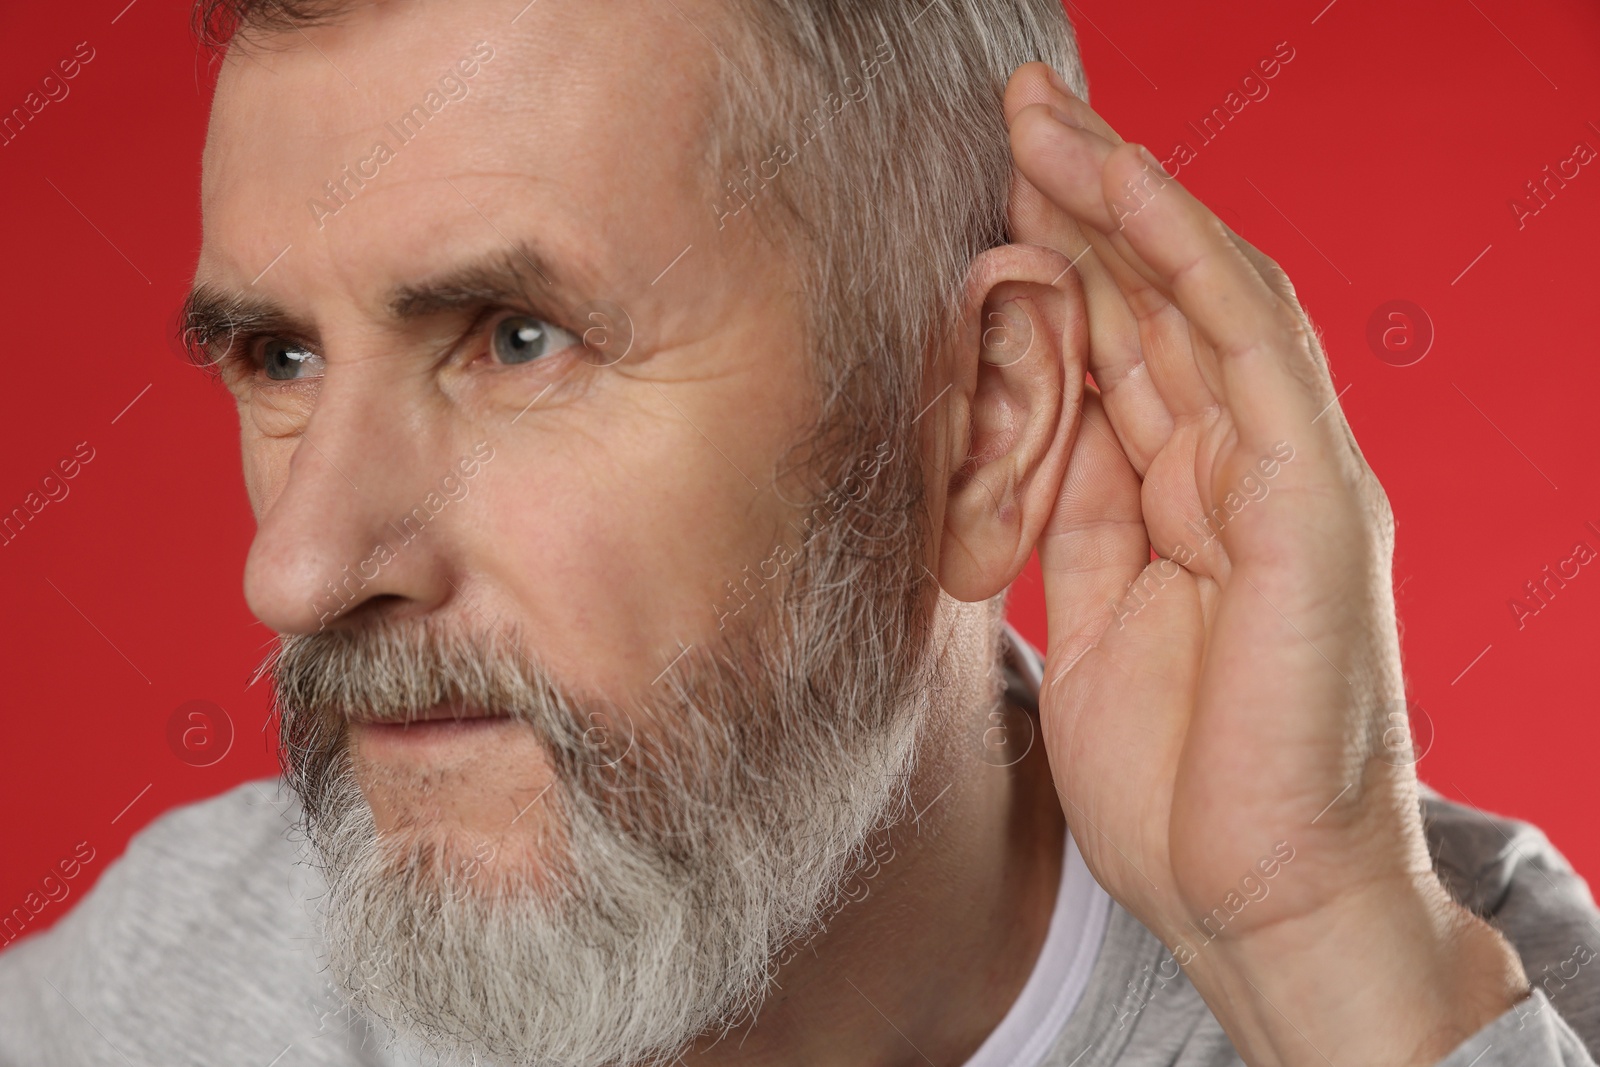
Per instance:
(1063,117)
(1153,161)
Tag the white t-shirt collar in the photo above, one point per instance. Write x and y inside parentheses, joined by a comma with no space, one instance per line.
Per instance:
(1077,928)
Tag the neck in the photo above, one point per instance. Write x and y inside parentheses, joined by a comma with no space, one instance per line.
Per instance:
(942,931)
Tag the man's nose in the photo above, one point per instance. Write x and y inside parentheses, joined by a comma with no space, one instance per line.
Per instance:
(344,530)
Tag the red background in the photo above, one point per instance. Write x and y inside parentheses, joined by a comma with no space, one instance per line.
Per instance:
(1380,167)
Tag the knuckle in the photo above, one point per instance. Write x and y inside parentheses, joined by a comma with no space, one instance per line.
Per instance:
(1294,329)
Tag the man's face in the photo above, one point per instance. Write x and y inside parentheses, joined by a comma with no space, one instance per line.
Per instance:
(620,492)
(521,449)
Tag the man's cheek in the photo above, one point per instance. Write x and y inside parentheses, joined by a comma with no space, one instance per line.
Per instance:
(266,469)
(276,414)
(579,573)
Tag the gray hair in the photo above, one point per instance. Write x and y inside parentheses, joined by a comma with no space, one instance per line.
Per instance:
(900,170)
(894,171)
(721,838)
(886,196)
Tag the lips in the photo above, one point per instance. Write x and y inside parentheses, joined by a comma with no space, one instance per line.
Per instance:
(437,714)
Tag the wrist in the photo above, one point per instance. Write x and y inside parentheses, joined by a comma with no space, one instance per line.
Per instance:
(1396,976)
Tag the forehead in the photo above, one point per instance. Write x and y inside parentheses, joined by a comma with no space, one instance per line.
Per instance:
(409,127)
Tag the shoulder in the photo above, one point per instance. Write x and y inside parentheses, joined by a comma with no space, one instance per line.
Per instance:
(1507,871)
(1486,859)
(196,945)
(213,870)
(1141,1009)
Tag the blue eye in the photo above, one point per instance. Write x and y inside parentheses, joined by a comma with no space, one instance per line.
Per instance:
(287,361)
(523,339)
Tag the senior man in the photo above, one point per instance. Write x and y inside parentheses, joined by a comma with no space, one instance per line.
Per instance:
(645,408)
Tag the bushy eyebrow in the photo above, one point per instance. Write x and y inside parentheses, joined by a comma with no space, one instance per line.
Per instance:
(211,314)
(514,275)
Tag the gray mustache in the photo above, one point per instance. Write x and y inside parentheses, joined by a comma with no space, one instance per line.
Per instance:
(391,672)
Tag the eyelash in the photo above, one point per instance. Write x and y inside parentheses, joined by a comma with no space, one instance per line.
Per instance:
(243,352)
(241,356)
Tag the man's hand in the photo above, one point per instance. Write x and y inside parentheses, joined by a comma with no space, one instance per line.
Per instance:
(1217,728)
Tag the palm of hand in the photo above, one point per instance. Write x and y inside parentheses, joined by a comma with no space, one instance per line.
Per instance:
(1218,710)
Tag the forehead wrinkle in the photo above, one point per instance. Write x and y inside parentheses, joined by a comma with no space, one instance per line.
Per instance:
(518,273)
(527,96)
(520,112)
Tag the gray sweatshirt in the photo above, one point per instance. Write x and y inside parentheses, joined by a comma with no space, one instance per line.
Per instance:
(198,946)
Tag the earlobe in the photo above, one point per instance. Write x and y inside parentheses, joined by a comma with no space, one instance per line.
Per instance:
(1020,359)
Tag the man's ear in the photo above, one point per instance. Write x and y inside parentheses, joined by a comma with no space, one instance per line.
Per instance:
(1015,367)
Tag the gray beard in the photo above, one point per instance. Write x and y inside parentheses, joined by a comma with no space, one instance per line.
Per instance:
(713,826)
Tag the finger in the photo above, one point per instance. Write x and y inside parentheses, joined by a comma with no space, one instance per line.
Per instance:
(1069,166)
(1183,251)
(1139,416)
(1038,83)
(1272,383)
(1095,542)
(1183,522)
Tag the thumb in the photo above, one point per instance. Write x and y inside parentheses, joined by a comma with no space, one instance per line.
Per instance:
(1094,543)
